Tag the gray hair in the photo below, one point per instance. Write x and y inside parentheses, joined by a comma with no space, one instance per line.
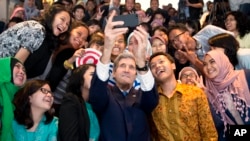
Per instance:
(123,55)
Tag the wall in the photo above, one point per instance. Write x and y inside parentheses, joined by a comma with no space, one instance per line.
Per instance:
(146,3)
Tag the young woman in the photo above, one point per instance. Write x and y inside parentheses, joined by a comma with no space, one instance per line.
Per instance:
(13,76)
(77,121)
(227,91)
(32,42)
(158,44)
(69,50)
(238,23)
(227,44)
(34,118)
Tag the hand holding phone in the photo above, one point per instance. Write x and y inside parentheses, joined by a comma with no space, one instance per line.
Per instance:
(130,20)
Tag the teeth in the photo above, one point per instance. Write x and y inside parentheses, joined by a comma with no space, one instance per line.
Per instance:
(158,72)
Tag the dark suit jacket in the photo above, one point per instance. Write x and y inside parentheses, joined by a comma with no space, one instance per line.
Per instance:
(122,118)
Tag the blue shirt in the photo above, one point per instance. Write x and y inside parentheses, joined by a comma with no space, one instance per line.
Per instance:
(43,132)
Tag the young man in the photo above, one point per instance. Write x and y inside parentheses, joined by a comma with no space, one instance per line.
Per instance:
(183,112)
(193,47)
(121,109)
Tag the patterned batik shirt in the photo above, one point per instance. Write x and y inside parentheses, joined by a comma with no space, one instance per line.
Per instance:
(185,116)
(27,34)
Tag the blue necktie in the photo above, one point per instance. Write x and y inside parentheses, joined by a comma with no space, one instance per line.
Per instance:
(125,93)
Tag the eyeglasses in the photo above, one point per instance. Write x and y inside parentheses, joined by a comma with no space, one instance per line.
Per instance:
(45,91)
(176,38)
(191,75)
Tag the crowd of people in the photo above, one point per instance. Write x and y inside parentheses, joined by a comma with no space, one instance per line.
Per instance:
(177,75)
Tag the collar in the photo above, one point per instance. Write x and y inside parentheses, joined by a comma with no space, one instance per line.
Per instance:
(178,89)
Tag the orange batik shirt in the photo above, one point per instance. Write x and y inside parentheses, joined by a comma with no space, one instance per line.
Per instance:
(183,117)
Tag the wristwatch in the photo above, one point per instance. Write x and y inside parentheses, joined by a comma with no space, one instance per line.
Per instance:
(145,68)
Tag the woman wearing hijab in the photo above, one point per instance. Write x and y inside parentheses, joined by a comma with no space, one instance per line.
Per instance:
(227,91)
(12,77)
(190,76)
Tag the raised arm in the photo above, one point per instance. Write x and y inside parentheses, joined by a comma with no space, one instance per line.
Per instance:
(98,90)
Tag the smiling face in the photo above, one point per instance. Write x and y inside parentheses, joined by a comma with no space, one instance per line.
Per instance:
(42,99)
(210,67)
(158,46)
(129,4)
(231,23)
(188,77)
(125,73)
(119,46)
(61,23)
(79,14)
(154,5)
(78,37)
(19,74)
(162,68)
(178,38)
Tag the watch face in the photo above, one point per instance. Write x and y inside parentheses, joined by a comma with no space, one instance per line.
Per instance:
(90,56)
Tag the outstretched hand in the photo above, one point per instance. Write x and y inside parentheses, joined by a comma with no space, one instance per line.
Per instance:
(111,33)
(140,51)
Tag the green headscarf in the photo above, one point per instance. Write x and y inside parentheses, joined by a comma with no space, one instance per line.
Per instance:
(7,92)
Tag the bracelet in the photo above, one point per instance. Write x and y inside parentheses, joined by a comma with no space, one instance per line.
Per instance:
(68,65)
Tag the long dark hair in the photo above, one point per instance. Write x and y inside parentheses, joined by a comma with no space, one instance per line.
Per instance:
(48,18)
(22,110)
(76,80)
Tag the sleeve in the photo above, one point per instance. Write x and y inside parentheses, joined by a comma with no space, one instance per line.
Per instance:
(98,94)
(31,36)
(68,120)
(213,30)
(205,120)
(147,81)
(102,71)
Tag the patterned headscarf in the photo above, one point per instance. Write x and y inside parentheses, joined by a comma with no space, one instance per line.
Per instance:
(228,81)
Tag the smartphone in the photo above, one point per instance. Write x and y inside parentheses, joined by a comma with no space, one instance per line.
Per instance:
(130,20)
